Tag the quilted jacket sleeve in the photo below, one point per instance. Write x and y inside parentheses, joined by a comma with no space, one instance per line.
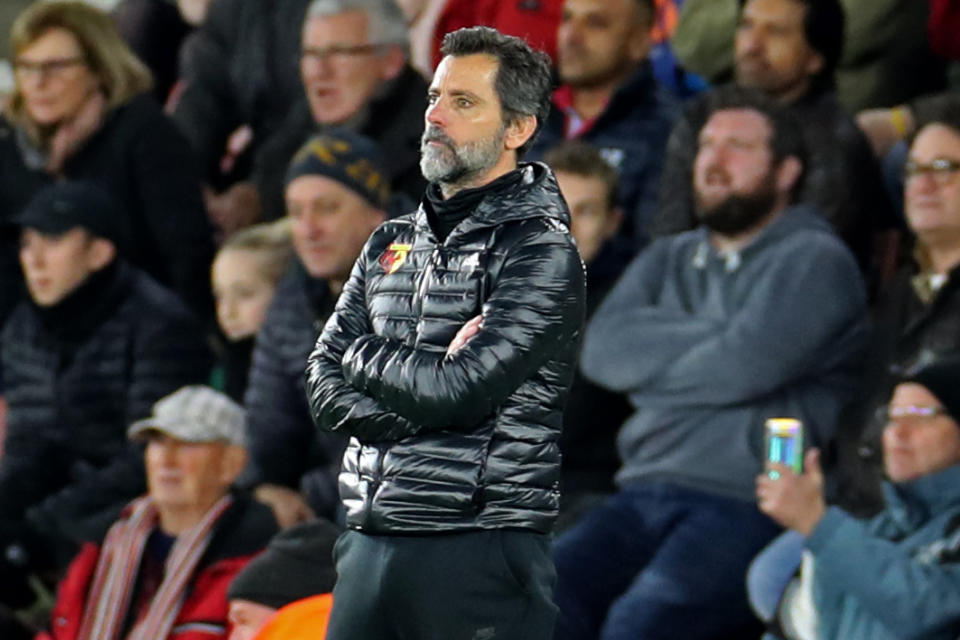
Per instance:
(334,404)
(534,311)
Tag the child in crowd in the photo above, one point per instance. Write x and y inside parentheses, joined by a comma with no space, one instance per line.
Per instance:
(244,276)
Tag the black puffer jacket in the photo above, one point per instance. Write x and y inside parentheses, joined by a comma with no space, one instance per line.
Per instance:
(283,444)
(139,157)
(75,377)
(468,441)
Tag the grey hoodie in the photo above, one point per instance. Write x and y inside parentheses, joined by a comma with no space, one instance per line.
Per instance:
(708,346)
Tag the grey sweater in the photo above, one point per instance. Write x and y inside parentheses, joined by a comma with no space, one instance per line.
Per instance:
(708,346)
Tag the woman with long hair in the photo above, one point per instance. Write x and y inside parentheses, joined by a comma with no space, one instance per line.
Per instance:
(81,109)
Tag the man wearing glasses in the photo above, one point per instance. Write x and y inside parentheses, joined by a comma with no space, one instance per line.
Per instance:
(355,72)
(896,575)
(919,315)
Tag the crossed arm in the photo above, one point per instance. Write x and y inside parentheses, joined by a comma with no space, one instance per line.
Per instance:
(377,388)
(803,315)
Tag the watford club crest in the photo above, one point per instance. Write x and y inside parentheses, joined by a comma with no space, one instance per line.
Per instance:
(394,257)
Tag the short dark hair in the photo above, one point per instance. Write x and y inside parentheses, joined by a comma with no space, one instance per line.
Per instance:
(523,81)
(787,137)
(823,28)
(941,109)
(585,160)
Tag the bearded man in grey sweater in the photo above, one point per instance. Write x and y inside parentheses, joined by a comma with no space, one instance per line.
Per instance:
(758,313)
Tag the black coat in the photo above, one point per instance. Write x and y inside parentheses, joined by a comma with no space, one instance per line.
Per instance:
(467,441)
(909,333)
(283,443)
(75,377)
(394,121)
(239,67)
(138,156)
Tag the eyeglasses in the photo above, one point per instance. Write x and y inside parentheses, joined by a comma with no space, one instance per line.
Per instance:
(337,53)
(46,68)
(919,413)
(942,169)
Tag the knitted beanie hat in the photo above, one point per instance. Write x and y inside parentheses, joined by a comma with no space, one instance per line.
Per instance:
(297,563)
(942,378)
(352,160)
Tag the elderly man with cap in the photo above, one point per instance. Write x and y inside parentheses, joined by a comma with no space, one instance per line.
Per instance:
(337,192)
(93,347)
(164,567)
(286,592)
(898,574)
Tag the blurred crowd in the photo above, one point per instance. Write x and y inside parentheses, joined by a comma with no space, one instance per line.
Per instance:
(765,195)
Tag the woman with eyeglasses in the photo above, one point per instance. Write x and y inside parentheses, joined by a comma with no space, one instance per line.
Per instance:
(81,110)
(896,575)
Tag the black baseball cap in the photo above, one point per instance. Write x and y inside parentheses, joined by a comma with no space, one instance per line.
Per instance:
(66,205)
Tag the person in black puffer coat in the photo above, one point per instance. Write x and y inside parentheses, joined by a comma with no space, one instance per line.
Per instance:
(96,345)
(97,123)
(448,360)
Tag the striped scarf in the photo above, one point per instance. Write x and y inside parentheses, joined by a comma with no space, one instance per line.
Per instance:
(115,577)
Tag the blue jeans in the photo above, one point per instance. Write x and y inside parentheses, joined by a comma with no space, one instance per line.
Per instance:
(660,561)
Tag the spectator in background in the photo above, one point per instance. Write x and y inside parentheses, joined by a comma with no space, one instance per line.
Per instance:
(897,575)
(238,70)
(154,29)
(79,111)
(286,592)
(163,570)
(94,347)
(355,74)
(354,65)
(942,28)
(244,275)
(918,316)
(789,50)
(886,56)
(593,415)
(535,22)
(609,98)
(337,193)
(758,313)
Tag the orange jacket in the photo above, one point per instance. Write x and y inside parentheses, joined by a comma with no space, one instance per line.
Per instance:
(304,619)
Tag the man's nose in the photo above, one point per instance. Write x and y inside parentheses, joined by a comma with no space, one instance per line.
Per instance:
(749,41)
(569,32)
(31,256)
(229,307)
(436,114)
(168,452)
(317,67)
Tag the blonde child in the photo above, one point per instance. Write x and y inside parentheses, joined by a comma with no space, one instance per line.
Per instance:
(244,276)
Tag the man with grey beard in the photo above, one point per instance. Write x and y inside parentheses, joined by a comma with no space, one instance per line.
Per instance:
(447,362)
(757,314)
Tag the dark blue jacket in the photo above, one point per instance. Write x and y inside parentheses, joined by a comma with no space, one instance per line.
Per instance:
(282,439)
(632,134)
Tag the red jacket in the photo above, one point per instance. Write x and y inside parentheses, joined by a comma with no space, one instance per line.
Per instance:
(240,534)
(536,21)
(943,28)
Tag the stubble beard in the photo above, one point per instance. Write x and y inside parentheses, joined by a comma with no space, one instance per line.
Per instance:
(452,164)
(739,212)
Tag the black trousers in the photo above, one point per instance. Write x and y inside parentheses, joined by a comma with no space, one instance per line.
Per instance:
(479,585)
